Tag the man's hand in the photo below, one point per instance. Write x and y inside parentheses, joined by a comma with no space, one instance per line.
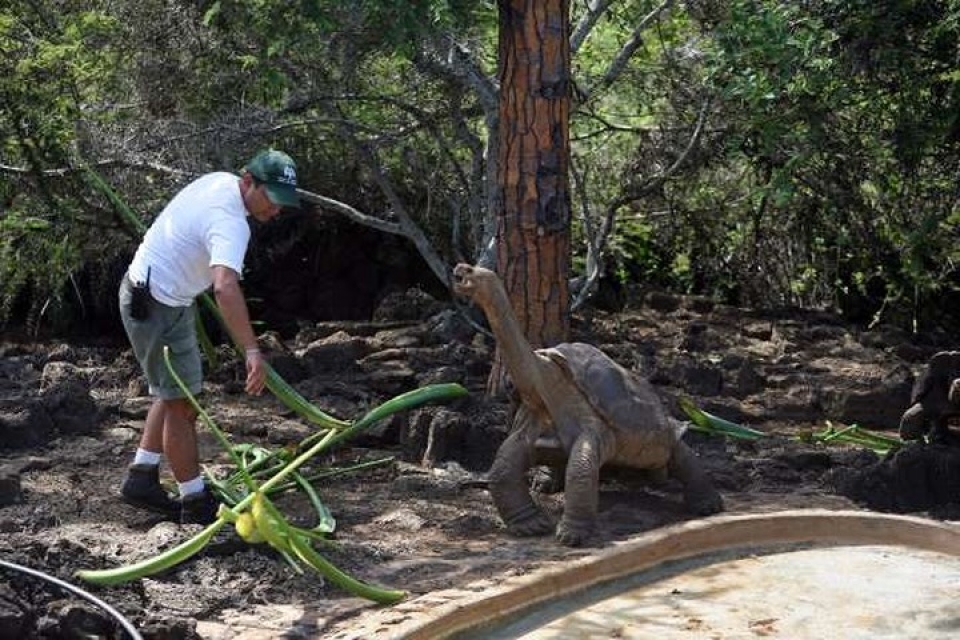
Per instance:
(256,372)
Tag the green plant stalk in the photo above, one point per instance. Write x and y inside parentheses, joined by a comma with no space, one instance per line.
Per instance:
(879,438)
(257,468)
(222,488)
(854,435)
(271,523)
(155,564)
(278,386)
(287,539)
(881,450)
(710,423)
(402,402)
(858,436)
(297,403)
(294,464)
(325,520)
(274,528)
(254,454)
(114,199)
(301,546)
(224,513)
(204,339)
(316,536)
(839,433)
(337,472)
(168,558)
(257,473)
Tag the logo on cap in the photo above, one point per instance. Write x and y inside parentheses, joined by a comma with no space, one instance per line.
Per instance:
(289,176)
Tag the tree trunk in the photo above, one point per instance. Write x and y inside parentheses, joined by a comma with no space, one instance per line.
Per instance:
(533,203)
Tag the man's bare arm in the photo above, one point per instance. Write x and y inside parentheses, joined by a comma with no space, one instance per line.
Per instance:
(233,307)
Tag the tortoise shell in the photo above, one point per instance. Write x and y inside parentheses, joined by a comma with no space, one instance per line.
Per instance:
(940,372)
(626,401)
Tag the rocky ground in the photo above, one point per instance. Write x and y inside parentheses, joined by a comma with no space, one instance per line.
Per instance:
(420,519)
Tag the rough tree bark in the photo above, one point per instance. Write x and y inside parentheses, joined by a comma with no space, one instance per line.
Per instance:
(533,203)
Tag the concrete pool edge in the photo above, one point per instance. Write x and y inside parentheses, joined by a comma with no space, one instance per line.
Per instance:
(677,542)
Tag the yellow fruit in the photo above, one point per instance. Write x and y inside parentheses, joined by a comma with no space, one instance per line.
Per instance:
(269,528)
(247,528)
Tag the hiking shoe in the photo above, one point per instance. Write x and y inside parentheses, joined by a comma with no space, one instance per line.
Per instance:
(198,508)
(141,489)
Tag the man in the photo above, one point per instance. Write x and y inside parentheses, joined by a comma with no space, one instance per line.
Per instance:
(198,241)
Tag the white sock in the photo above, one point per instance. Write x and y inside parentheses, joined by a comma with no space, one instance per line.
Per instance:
(191,486)
(147,457)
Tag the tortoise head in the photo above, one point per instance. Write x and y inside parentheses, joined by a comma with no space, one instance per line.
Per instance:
(475,283)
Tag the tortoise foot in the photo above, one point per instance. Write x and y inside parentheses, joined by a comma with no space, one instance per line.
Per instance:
(530,522)
(704,503)
(912,432)
(573,533)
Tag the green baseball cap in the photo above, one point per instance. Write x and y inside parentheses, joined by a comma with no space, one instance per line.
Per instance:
(278,173)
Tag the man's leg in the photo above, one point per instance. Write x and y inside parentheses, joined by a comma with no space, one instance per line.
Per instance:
(180,439)
(141,484)
(152,437)
(180,446)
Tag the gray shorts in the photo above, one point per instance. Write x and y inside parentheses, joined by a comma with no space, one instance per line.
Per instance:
(165,326)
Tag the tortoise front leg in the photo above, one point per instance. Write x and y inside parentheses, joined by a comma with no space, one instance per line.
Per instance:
(913,424)
(581,495)
(507,479)
(699,494)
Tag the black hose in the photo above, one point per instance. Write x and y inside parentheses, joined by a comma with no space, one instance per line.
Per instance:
(116,615)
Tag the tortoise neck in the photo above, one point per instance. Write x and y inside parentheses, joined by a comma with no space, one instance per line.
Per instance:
(517,353)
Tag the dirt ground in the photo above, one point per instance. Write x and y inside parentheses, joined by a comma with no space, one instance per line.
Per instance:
(422,520)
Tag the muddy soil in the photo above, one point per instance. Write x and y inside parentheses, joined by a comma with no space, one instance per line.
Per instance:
(420,518)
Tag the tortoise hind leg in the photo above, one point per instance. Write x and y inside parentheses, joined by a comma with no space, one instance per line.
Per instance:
(699,494)
(940,432)
(507,479)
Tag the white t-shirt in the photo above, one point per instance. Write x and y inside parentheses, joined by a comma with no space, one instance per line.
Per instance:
(203,226)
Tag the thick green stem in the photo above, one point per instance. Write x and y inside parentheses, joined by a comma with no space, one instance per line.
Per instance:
(156,564)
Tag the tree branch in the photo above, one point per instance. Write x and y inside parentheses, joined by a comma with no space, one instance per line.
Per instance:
(589,281)
(619,62)
(351,213)
(405,224)
(458,65)
(656,181)
(595,10)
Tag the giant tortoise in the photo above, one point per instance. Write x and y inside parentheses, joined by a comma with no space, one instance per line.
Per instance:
(598,411)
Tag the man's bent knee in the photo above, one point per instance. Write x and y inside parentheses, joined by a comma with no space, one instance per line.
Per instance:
(180,408)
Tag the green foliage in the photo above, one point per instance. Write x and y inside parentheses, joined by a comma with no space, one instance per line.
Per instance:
(822,172)
(53,65)
(825,178)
